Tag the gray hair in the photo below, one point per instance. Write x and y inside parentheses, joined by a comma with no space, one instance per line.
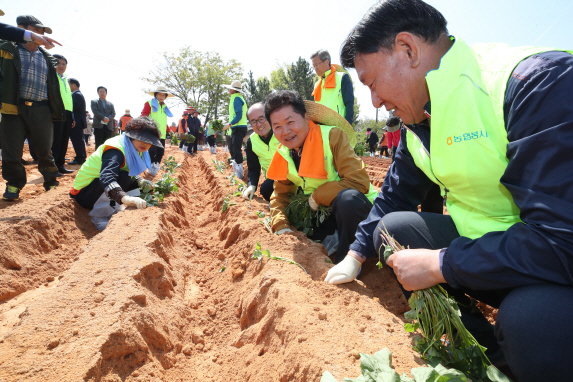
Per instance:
(322,54)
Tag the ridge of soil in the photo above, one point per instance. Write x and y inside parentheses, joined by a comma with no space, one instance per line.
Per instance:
(147,299)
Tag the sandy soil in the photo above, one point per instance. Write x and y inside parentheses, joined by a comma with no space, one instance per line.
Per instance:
(148,300)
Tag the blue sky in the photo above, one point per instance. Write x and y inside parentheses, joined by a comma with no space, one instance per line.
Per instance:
(115,42)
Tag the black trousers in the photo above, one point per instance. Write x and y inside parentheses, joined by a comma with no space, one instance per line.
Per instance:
(61,138)
(35,122)
(372,149)
(393,153)
(349,208)
(384,149)
(434,202)
(77,138)
(92,192)
(211,141)
(237,137)
(87,140)
(101,135)
(156,153)
(192,147)
(267,188)
(31,149)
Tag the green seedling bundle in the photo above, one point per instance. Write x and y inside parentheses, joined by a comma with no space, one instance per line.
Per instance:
(302,217)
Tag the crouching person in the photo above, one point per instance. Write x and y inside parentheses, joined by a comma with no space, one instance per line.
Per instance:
(110,178)
(316,156)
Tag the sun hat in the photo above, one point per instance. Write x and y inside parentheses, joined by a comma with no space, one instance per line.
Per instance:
(323,115)
(235,85)
(142,135)
(161,89)
(2,13)
(185,112)
(33,21)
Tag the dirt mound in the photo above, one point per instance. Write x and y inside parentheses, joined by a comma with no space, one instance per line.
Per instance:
(377,169)
(171,293)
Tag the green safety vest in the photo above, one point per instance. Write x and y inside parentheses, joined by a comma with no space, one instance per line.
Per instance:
(332,97)
(468,142)
(66,93)
(264,152)
(308,185)
(91,168)
(160,118)
(210,130)
(232,114)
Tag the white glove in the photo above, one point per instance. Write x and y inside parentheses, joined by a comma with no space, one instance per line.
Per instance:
(343,272)
(133,201)
(284,230)
(144,182)
(249,192)
(313,205)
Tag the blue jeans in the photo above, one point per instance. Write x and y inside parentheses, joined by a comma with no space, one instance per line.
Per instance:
(531,333)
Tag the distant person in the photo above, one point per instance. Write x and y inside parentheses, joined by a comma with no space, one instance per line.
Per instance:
(125,119)
(31,101)
(211,136)
(237,125)
(88,131)
(182,128)
(334,87)
(261,148)
(371,141)
(63,128)
(104,112)
(393,132)
(384,145)
(77,132)
(157,110)
(195,129)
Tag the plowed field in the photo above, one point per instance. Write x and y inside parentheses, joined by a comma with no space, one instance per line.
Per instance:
(170,293)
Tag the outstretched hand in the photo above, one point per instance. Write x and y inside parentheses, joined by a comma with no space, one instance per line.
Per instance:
(47,42)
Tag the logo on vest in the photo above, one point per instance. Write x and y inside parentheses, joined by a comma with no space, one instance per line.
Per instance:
(466,137)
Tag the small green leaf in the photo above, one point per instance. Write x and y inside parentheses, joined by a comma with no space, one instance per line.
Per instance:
(408,327)
(495,375)
(379,265)
(223,269)
(327,260)
(327,377)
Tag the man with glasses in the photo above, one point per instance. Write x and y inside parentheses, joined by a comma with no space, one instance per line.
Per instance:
(261,147)
(334,87)
(31,101)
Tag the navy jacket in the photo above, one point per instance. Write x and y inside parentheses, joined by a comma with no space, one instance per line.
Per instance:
(79,109)
(539,122)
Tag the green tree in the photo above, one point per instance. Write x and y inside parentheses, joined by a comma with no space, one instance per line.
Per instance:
(363,124)
(300,77)
(196,79)
(250,87)
(279,79)
(263,88)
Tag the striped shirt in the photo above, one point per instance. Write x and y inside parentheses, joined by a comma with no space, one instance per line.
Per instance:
(34,79)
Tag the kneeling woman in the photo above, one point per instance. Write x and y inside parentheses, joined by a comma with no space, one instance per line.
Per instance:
(114,168)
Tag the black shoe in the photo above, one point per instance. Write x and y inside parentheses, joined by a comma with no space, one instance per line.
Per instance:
(59,175)
(75,162)
(26,162)
(34,162)
(12,193)
(64,170)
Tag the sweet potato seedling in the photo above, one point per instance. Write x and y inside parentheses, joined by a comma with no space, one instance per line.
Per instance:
(302,217)
(259,253)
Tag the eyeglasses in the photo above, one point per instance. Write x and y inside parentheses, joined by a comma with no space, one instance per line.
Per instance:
(317,65)
(259,121)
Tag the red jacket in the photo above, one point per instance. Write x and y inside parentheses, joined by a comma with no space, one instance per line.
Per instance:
(393,138)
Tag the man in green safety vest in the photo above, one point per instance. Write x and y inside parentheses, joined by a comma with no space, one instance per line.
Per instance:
(237,125)
(260,149)
(334,87)
(473,126)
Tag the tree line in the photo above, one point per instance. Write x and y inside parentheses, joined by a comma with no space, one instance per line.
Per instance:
(196,79)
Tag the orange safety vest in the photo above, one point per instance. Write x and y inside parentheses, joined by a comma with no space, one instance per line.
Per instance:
(124,120)
(180,129)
